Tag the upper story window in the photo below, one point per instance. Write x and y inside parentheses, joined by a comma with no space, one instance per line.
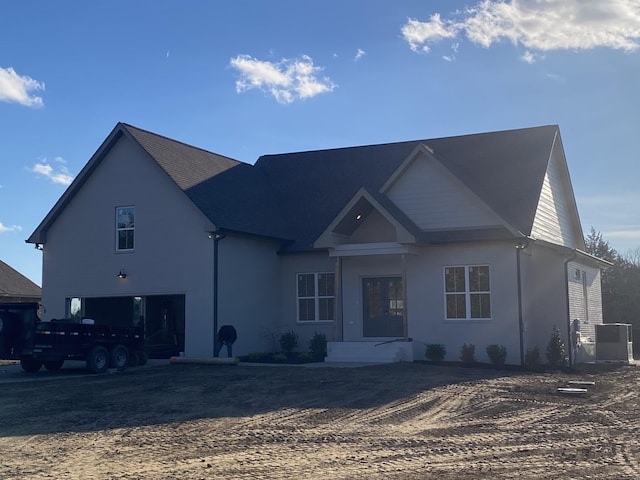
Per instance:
(316,297)
(467,292)
(125,228)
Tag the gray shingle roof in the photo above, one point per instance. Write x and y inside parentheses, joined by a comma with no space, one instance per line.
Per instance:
(295,196)
(506,169)
(14,284)
(185,164)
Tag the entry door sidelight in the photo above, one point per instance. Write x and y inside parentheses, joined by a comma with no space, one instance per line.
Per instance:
(383,307)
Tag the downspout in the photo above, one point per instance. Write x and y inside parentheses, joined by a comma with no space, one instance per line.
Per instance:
(519,247)
(217,236)
(566,285)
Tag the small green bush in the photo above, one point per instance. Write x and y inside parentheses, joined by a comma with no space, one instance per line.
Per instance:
(556,353)
(288,342)
(497,354)
(318,346)
(468,354)
(435,352)
(532,358)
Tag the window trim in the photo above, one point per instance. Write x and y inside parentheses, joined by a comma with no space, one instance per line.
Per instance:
(316,298)
(131,229)
(467,293)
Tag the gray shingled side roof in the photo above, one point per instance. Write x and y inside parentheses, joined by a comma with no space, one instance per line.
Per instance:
(505,169)
(14,284)
(185,164)
(233,195)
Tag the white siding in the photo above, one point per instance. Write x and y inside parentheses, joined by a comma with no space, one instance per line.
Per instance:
(588,313)
(172,255)
(426,302)
(553,221)
(291,265)
(434,199)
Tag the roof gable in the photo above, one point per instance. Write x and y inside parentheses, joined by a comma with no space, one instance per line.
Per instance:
(187,166)
(355,215)
(556,219)
(434,198)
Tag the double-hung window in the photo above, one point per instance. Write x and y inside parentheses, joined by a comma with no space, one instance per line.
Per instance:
(467,292)
(316,296)
(125,228)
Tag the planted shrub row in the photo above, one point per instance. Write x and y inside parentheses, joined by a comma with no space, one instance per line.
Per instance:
(556,353)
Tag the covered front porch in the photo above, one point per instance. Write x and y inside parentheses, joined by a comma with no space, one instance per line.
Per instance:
(371,315)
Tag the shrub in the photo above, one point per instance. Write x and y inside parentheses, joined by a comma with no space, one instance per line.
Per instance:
(532,358)
(288,342)
(318,346)
(435,352)
(468,354)
(497,354)
(556,353)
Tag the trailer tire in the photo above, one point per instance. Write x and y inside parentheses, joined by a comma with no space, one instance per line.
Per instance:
(30,365)
(142,358)
(119,358)
(54,365)
(98,359)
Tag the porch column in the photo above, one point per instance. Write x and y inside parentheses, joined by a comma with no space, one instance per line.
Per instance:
(405,317)
(337,304)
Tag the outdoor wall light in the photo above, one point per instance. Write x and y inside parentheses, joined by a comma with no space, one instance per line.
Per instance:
(522,243)
(122,275)
(39,246)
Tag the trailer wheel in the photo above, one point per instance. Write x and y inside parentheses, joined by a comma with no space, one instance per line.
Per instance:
(98,359)
(54,365)
(142,358)
(30,365)
(119,357)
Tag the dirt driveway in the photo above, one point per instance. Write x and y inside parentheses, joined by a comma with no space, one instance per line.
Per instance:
(400,421)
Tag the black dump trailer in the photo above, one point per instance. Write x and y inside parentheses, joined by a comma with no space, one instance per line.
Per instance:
(24,337)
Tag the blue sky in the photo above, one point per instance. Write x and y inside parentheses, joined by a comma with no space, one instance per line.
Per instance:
(245,78)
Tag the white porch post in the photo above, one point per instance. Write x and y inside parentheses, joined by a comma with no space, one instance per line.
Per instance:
(405,317)
(337,304)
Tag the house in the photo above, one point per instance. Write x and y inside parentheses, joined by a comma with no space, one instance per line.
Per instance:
(383,248)
(15,287)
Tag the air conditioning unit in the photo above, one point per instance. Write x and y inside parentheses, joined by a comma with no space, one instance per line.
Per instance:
(614,342)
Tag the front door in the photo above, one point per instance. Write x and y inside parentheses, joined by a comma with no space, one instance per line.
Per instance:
(383,307)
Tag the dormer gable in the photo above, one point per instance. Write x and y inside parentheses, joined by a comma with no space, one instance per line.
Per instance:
(364,219)
(434,198)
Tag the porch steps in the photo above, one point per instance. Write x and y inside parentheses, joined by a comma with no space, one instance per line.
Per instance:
(369,352)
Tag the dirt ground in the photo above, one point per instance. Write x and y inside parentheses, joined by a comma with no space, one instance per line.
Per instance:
(399,421)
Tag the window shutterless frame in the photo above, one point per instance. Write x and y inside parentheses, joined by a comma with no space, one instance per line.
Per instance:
(467,292)
(315,297)
(125,228)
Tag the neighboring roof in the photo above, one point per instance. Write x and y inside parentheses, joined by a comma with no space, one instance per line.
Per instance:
(295,196)
(14,284)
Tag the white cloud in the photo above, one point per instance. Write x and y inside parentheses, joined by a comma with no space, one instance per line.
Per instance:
(536,25)
(60,174)
(287,80)
(418,34)
(19,89)
(359,54)
(12,228)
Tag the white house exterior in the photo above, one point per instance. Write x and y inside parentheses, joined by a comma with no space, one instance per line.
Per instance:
(383,248)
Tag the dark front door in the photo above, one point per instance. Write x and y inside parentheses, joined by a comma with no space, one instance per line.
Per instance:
(383,307)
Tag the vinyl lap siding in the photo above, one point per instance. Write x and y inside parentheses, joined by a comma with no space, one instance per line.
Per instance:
(591,310)
(431,197)
(553,222)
